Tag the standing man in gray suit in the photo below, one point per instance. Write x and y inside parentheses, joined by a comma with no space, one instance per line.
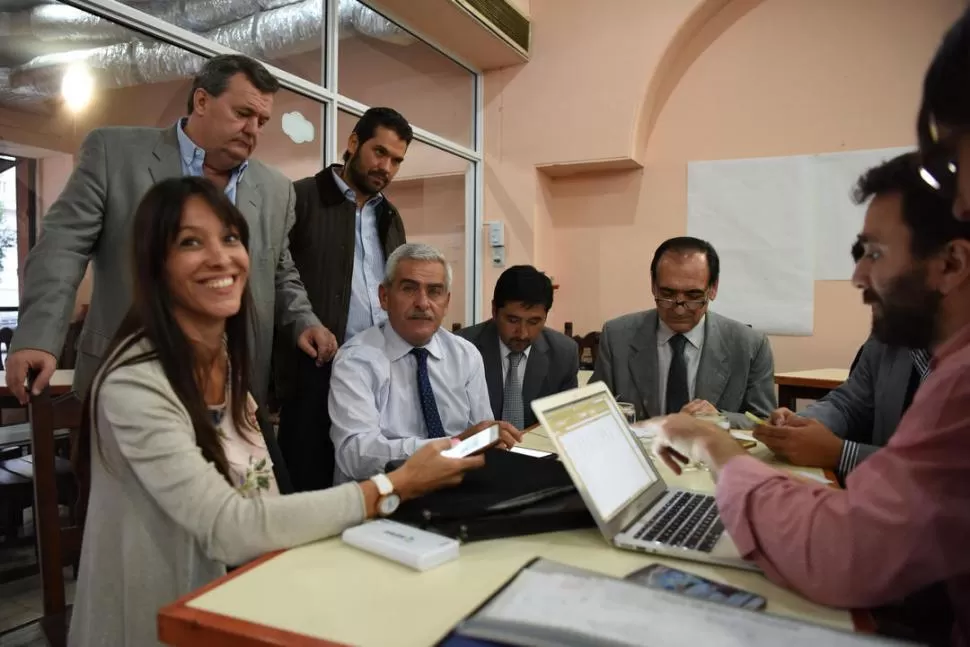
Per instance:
(681,357)
(853,421)
(523,359)
(230,102)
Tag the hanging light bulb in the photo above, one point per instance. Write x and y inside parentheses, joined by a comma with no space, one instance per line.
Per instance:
(77,87)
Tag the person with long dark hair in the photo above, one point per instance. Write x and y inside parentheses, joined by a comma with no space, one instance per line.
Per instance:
(181,484)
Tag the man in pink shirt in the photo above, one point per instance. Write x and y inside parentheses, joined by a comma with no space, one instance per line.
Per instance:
(903,521)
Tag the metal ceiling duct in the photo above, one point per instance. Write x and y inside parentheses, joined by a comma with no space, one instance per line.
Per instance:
(16,96)
(267,29)
(59,23)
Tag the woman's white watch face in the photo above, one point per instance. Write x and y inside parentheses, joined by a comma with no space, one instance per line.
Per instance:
(389,504)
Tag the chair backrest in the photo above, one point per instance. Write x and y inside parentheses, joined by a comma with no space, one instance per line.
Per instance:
(68,357)
(57,546)
(588,348)
(6,336)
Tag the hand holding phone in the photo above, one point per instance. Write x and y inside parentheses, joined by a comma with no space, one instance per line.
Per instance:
(475,444)
(658,576)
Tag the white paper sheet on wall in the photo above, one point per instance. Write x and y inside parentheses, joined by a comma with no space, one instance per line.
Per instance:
(756,214)
(836,218)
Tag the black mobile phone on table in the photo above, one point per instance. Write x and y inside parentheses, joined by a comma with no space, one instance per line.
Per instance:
(658,576)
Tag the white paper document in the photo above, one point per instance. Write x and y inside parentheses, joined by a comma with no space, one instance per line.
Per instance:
(645,431)
(811,475)
(742,435)
(560,608)
(751,211)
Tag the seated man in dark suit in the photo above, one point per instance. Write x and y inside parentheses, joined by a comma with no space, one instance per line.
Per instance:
(853,421)
(524,360)
(681,357)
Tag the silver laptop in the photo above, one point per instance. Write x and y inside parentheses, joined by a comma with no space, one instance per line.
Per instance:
(627,497)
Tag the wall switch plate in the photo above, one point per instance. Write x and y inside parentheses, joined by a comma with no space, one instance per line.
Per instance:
(496,234)
(498,257)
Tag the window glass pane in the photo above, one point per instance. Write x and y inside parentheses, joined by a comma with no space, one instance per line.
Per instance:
(429,192)
(381,65)
(9,284)
(43,116)
(286,33)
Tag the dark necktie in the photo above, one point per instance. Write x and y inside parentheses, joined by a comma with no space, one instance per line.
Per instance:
(429,407)
(677,392)
(512,405)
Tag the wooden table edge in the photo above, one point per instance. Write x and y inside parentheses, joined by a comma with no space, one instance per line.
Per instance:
(182,625)
(810,382)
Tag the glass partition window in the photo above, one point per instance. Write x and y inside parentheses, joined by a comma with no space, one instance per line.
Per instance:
(380,64)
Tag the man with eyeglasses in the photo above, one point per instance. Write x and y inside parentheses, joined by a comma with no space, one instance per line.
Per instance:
(680,357)
(943,126)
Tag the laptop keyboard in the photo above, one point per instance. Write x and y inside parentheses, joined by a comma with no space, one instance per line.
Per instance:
(687,520)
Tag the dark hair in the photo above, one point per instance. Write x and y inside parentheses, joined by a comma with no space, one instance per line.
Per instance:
(685,244)
(215,74)
(375,118)
(156,223)
(927,213)
(523,283)
(946,91)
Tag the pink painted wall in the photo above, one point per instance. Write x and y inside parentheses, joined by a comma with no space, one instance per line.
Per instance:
(586,146)
(754,78)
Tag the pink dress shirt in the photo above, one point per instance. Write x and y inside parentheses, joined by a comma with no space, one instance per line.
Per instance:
(901,524)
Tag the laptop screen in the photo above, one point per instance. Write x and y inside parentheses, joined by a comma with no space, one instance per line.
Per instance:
(603,452)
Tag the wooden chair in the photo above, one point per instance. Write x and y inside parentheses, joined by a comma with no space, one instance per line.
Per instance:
(57,546)
(68,357)
(6,336)
(588,349)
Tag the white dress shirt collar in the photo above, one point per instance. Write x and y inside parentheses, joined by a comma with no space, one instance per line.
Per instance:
(396,347)
(695,335)
(506,351)
(349,193)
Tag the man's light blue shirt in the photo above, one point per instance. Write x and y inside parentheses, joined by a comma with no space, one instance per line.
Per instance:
(193,158)
(365,305)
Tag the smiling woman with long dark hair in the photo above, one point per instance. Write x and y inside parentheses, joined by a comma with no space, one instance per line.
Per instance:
(180,480)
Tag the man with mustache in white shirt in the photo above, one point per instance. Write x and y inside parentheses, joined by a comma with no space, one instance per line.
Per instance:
(403,382)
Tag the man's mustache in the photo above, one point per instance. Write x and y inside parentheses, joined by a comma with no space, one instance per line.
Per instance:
(416,314)
(869,297)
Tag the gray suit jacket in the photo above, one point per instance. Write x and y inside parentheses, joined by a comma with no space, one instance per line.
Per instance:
(92,220)
(867,407)
(552,367)
(736,372)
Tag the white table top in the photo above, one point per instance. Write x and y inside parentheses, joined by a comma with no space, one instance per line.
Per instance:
(823,374)
(61,382)
(333,591)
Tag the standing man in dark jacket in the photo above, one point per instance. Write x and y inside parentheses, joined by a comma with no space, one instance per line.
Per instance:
(345,229)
